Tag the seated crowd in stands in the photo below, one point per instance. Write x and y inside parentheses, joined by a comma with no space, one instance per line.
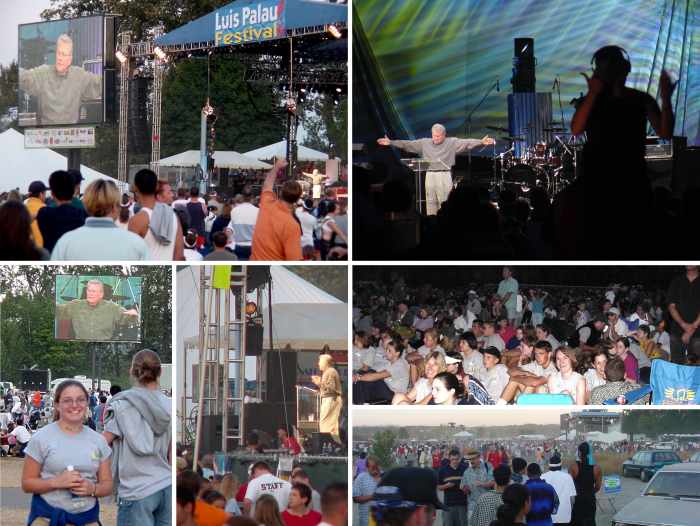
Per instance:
(436,347)
(155,223)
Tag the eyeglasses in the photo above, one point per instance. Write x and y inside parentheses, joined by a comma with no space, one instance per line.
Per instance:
(70,402)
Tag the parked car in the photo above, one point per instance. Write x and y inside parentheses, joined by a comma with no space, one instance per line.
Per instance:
(672,498)
(664,445)
(645,463)
(695,457)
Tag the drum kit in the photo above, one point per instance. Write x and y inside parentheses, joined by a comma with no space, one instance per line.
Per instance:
(547,165)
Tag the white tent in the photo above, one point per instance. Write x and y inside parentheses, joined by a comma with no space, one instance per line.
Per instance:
(463,434)
(608,438)
(20,166)
(303,316)
(222,159)
(279,150)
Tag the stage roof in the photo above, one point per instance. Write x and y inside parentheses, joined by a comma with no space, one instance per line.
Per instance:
(255,21)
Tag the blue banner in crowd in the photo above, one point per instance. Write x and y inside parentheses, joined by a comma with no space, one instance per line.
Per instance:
(674,384)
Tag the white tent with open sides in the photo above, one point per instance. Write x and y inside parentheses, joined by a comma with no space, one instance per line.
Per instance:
(21,166)
(222,159)
(278,150)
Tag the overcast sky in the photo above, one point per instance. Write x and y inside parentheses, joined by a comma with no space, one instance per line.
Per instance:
(15,12)
(470,417)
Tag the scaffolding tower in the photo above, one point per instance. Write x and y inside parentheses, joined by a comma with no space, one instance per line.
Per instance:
(221,366)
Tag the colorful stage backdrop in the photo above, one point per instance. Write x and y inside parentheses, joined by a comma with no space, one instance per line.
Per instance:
(439,57)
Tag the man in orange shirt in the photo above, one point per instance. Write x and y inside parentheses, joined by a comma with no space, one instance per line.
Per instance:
(277,234)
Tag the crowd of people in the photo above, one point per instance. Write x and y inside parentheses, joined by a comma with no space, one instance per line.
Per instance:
(92,444)
(154,222)
(480,487)
(207,497)
(499,343)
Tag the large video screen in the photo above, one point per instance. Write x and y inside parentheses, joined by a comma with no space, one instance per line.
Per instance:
(98,308)
(61,72)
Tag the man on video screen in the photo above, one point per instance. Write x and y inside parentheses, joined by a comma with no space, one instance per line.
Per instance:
(95,318)
(60,88)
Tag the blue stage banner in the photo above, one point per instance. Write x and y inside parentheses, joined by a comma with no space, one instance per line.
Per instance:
(241,24)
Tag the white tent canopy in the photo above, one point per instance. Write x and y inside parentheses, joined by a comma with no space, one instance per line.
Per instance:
(222,159)
(462,434)
(303,316)
(279,150)
(608,438)
(20,166)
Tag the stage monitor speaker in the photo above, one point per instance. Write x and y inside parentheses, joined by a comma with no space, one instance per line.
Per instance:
(524,65)
(318,440)
(281,376)
(253,339)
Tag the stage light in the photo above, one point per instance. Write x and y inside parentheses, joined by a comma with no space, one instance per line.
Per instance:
(160,53)
(121,57)
(338,90)
(334,31)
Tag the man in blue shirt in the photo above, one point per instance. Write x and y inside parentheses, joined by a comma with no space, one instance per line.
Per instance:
(449,478)
(543,498)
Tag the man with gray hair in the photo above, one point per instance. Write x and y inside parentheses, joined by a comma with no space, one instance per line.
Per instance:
(60,88)
(441,151)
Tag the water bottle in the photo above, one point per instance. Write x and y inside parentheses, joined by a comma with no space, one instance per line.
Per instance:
(75,499)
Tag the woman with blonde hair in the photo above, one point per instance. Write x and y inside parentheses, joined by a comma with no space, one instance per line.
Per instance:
(267,512)
(100,238)
(67,464)
(421,392)
(137,424)
(566,380)
(229,487)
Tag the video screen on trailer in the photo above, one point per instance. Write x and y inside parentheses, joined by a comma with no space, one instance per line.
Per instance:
(61,66)
(98,308)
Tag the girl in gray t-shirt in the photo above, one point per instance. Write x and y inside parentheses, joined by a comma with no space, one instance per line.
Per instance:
(67,464)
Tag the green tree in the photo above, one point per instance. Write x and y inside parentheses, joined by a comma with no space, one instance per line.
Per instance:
(8,86)
(326,125)
(383,445)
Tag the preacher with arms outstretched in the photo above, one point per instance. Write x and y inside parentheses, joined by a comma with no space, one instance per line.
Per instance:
(441,151)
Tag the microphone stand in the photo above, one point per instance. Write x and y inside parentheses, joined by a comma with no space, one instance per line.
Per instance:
(469,125)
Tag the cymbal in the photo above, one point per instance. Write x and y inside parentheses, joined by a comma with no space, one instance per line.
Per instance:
(496,128)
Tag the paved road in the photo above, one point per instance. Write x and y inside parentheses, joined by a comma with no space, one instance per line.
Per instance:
(631,488)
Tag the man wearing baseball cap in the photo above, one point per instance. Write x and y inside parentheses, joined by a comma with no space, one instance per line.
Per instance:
(616,326)
(496,376)
(35,202)
(406,496)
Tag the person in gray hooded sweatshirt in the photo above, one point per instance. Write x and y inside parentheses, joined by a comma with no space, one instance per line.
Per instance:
(137,426)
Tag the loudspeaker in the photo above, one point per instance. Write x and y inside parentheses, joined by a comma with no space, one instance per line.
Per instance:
(281,376)
(211,434)
(253,339)
(139,138)
(524,65)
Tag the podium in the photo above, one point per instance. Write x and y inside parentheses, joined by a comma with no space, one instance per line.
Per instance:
(418,167)
(308,409)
